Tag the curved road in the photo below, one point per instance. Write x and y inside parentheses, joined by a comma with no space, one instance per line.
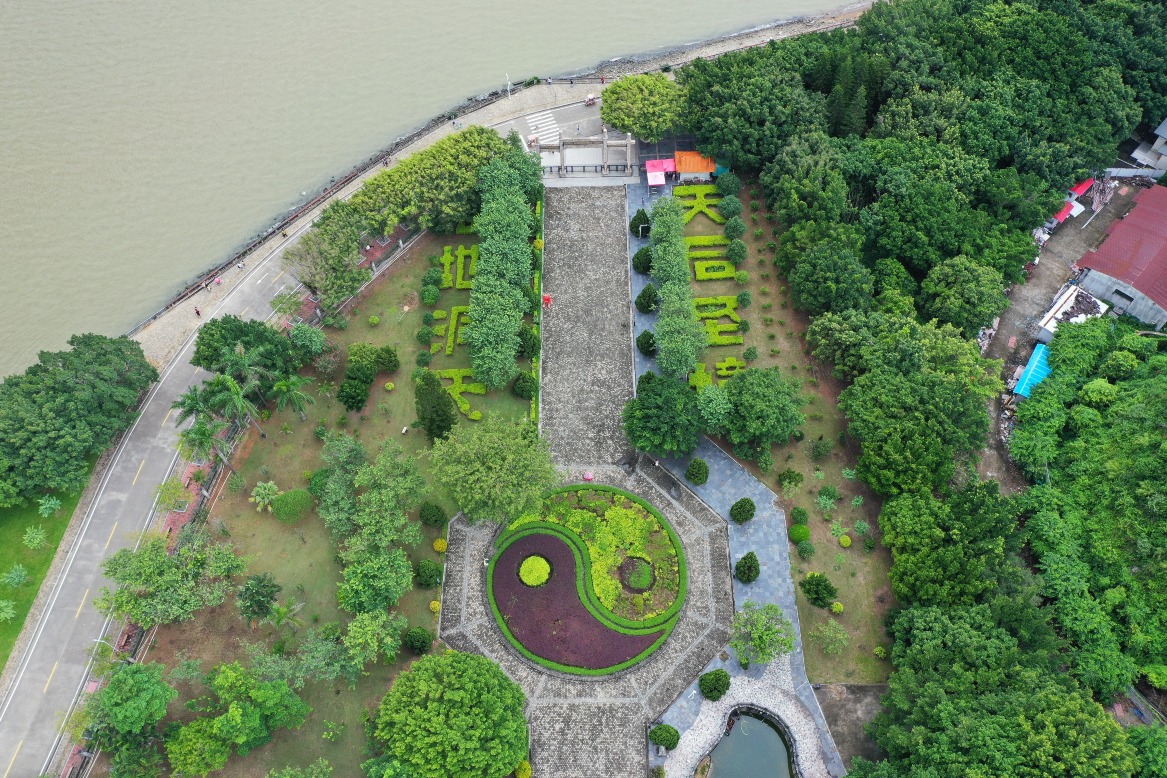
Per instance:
(54,668)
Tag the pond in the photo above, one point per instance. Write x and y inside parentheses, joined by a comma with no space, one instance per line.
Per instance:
(754,748)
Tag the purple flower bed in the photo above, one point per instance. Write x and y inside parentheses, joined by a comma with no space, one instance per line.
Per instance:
(549,620)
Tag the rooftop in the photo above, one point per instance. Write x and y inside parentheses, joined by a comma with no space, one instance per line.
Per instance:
(1135,248)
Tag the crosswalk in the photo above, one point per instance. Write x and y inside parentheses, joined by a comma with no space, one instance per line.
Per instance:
(543,125)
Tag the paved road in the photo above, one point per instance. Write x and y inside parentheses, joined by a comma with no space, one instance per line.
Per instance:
(54,668)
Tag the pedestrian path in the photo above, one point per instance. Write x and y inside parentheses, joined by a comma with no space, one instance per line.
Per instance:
(782,686)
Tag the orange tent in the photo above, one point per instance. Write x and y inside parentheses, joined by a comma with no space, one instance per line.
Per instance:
(693,162)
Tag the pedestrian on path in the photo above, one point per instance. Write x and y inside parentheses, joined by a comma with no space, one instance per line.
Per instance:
(198,313)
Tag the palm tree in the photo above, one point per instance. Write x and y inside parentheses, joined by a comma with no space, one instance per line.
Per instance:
(290,391)
(232,401)
(283,614)
(195,401)
(245,367)
(202,439)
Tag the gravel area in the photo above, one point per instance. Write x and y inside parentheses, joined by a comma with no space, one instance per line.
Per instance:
(587,345)
(773,690)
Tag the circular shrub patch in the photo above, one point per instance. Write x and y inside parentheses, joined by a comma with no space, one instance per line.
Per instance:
(636,574)
(534,570)
(591,584)
(798,533)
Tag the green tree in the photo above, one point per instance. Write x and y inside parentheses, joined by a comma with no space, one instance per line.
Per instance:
(375,581)
(496,313)
(960,292)
(804,183)
(201,439)
(155,587)
(831,637)
(765,410)
(434,405)
(646,105)
(132,702)
(663,418)
(290,391)
(830,277)
(494,470)
(373,635)
(256,597)
(195,749)
(247,350)
(453,692)
(1151,745)
(760,633)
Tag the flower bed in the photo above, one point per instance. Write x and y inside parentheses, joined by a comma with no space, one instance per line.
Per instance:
(615,581)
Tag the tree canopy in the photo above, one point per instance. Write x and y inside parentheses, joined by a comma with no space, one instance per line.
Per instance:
(663,418)
(647,105)
(452,714)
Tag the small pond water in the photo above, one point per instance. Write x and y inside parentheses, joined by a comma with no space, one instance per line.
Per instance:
(754,748)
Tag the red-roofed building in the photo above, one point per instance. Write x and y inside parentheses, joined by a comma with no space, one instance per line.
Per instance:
(1129,269)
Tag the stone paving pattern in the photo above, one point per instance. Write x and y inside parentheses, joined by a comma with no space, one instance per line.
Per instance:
(765,535)
(587,368)
(590,726)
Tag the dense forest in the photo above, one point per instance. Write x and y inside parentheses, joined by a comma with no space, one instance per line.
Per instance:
(909,158)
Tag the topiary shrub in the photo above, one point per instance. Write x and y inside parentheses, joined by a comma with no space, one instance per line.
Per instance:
(845,541)
(424,358)
(525,386)
(646,343)
(432,276)
(818,589)
(798,533)
(529,344)
(751,353)
(642,260)
(648,299)
(425,335)
(714,684)
(869,544)
(432,515)
(293,505)
(534,571)
(665,736)
(805,549)
(353,394)
(523,770)
(697,472)
(428,574)
(640,225)
(836,607)
(728,184)
(747,568)
(419,640)
(735,228)
(430,295)
(799,515)
(744,298)
(737,251)
(742,510)
(730,206)
(440,545)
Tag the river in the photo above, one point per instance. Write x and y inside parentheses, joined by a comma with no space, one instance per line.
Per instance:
(140,142)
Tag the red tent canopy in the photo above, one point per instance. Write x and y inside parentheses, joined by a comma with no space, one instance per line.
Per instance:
(1064,214)
(1080,189)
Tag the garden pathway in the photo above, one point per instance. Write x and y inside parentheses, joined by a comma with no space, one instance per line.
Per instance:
(781,687)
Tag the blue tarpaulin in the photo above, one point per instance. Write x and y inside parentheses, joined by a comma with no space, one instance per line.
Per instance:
(1035,372)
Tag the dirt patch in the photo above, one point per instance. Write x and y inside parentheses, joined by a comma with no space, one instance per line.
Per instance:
(849,708)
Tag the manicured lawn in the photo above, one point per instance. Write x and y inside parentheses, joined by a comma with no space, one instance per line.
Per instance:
(778,331)
(302,556)
(13,523)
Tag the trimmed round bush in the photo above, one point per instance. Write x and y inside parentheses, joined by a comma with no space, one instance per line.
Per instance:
(744,298)
(742,510)
(805,549)
(523,770)
(751,353)
(440,545)
(642,259)
(430,295)
(293,505)
(798,533)
(419,640)
(318,481)
(534,571)
(737,251)
(425,335)
(714,684)
(528,342)
(432,515)
(735,228)
(646,343)
(664,735)
(818,589)
(352,394)
(648,299)
(697,472)
(374,321)
(799,515)
(525,385)
(428,574)
(730,206)
(432,277)
(640,225)
(747,568)
(845,541)
(728,184)
(836,607)
(424,358)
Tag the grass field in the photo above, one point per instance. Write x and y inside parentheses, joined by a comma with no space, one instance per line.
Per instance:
(301,556)
(13,523)
(778,331)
